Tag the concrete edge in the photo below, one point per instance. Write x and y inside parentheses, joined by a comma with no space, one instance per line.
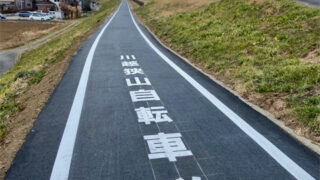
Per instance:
(302,140)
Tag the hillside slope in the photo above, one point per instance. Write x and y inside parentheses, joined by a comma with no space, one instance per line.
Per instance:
(266,50)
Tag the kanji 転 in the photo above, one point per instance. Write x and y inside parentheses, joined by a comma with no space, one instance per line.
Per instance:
(154,114)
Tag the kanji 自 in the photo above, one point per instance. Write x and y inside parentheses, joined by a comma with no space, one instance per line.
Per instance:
(144,95)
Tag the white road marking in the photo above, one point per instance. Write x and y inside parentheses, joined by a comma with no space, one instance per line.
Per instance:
(63,159)
(138,82)
(129,63)
(288,164)
(166,146)
(144,95)
(144,115)
(132,71)
(153,114)
(127,56)
(193,178)
(121,57)
(196,178)
(157,114)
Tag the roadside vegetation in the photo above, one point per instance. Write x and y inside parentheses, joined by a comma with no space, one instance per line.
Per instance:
(32,66)
(267,50)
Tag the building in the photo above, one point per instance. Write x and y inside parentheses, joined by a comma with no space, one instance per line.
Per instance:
(7,6)
(23,4)
(45,5)
(62,8)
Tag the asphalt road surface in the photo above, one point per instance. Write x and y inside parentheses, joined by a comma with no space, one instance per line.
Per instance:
(127,109)
(7,60)
(311,2)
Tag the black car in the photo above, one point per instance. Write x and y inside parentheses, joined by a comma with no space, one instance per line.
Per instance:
(25,13)
(2,16)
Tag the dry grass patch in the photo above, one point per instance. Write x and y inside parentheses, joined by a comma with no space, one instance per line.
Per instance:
(313,56)
(165,8)
(15,33)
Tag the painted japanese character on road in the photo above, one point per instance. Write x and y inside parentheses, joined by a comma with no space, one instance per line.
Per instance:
(154,114)
(166,146)
(132,71)
(144,95)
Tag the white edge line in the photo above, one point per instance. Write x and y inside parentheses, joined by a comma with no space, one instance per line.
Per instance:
(61,167)
(288,164)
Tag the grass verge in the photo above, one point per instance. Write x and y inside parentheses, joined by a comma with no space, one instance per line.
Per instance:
(32,66)
(264,48)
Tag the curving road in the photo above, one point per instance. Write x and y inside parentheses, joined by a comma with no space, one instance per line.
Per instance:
(129,109)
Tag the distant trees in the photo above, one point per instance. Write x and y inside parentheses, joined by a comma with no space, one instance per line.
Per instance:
(71,12)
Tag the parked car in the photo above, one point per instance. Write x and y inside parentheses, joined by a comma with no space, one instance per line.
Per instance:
(39,17)
(25,13)
(46,16)
(2,16)
(52,14)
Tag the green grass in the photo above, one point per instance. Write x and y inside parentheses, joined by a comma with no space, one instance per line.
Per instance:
(262,45)
(43,57)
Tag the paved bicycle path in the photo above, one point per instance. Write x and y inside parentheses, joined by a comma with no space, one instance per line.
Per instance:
(129,109)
